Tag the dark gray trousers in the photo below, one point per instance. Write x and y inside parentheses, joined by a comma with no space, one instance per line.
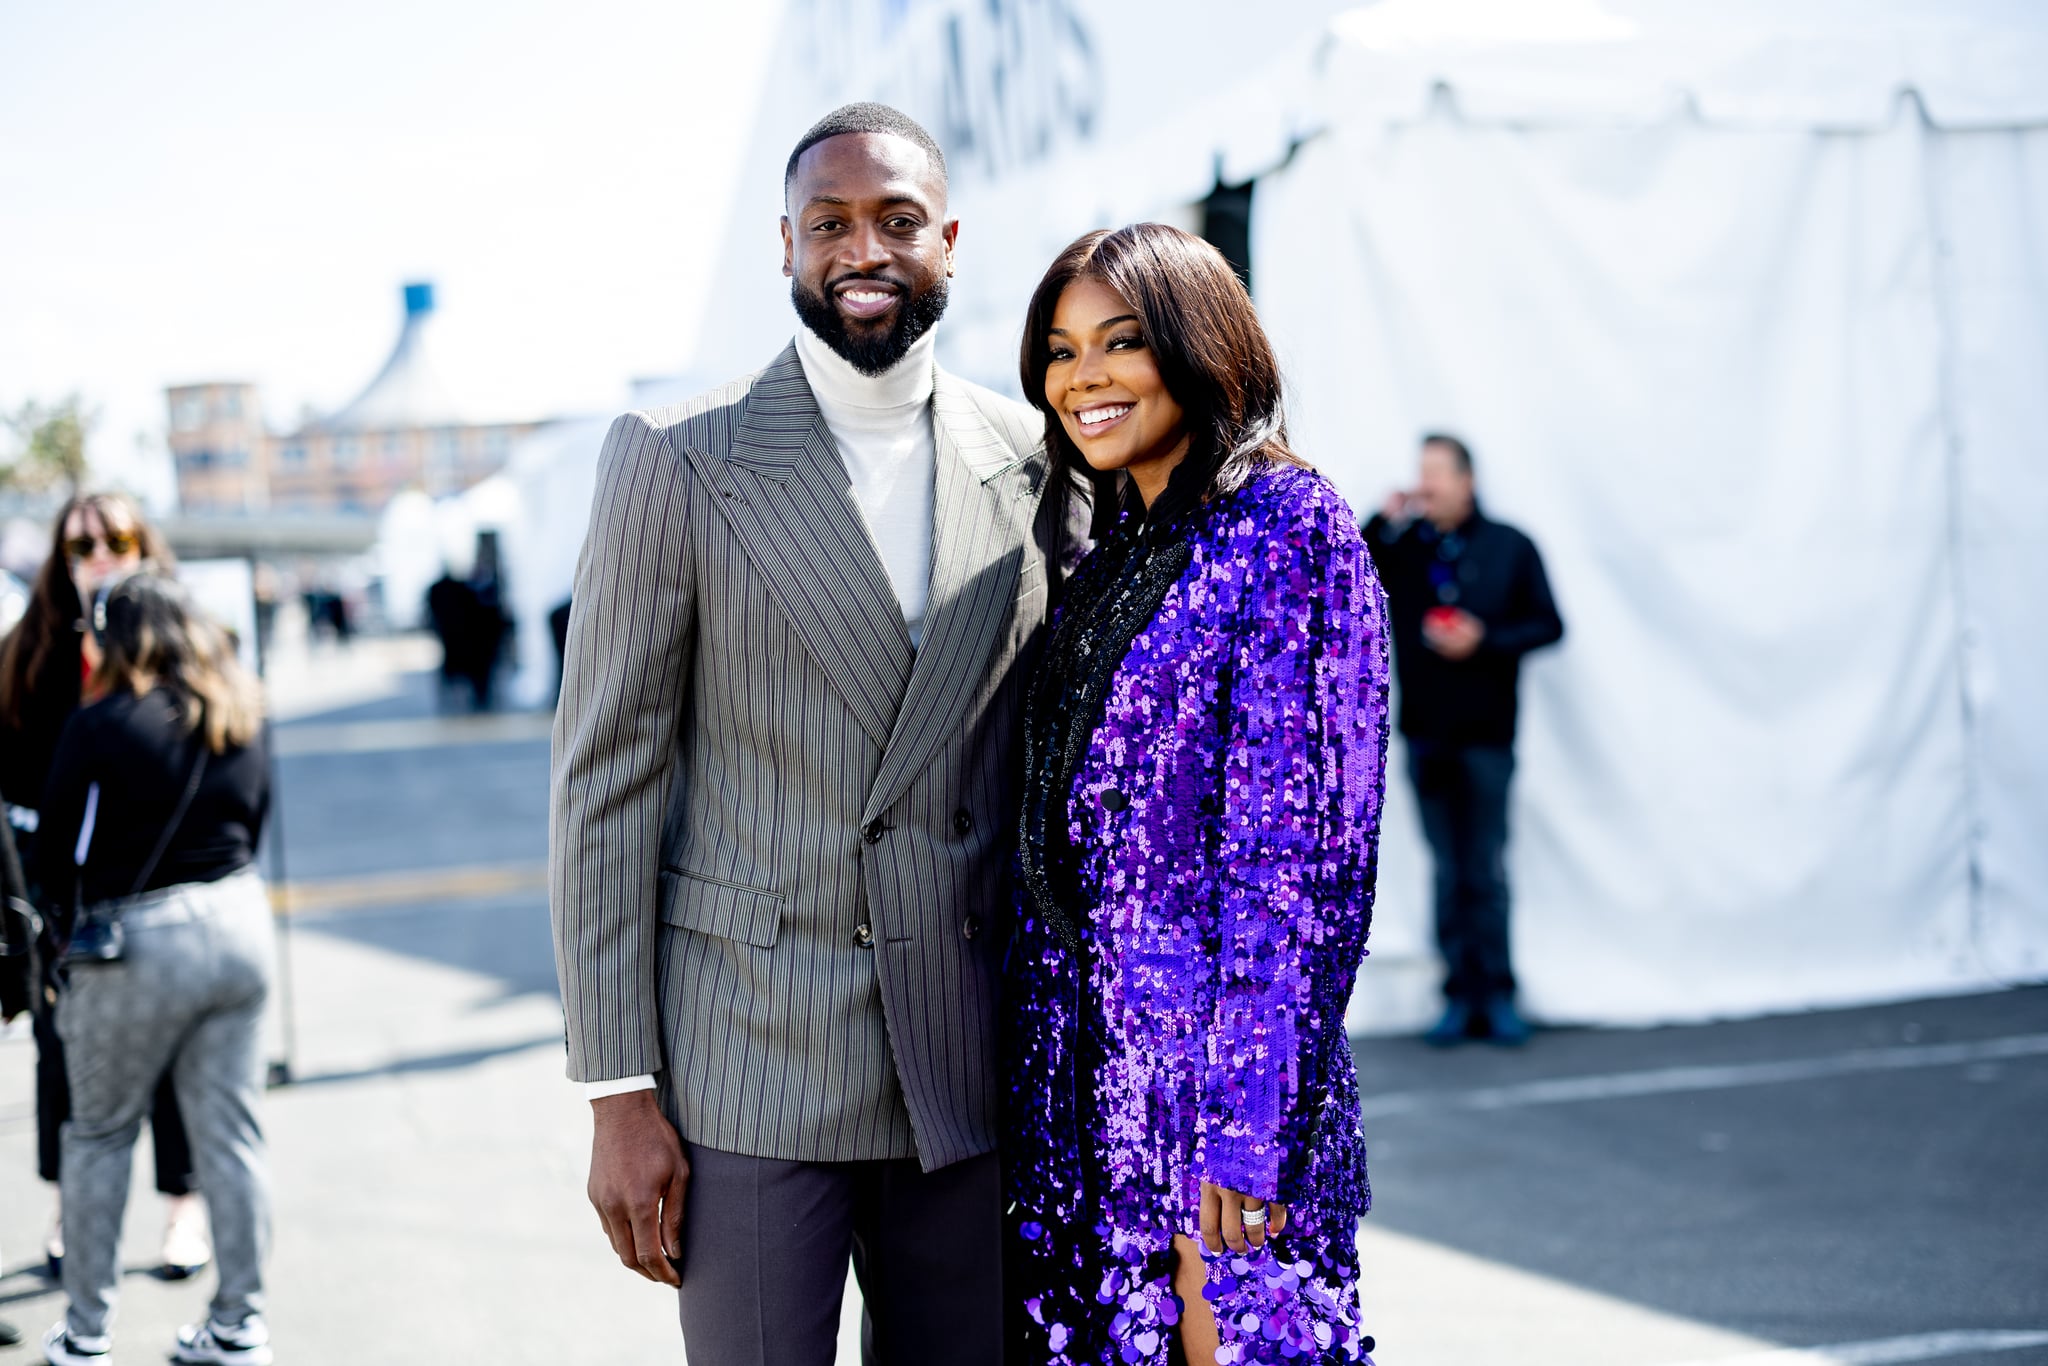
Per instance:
(766,1245)
(1461,792)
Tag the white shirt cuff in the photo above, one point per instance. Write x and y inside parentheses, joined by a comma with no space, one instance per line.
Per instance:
(618,1086)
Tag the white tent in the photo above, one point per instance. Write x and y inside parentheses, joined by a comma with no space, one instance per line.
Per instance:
(1745,312)
(1744,308)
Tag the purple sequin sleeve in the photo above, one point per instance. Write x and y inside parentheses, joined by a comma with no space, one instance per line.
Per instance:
(1300,806)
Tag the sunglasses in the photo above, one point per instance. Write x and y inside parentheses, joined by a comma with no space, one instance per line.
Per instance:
(116,542)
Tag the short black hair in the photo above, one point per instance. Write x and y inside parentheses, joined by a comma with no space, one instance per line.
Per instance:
(1458,449)
(865,117)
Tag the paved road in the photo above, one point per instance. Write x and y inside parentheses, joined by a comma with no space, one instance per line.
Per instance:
(1871,1181)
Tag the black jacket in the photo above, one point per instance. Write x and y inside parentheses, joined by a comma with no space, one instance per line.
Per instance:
(1490,570)
(140,755)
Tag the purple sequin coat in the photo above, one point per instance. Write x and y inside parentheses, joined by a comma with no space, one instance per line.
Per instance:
(1225,823)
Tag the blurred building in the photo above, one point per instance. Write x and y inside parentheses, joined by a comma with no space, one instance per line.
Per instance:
(403,431)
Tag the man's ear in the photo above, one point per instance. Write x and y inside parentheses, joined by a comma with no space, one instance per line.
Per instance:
(789,249)
(951,232)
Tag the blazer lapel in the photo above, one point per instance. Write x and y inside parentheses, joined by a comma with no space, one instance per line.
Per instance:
(982,510)
(786,495)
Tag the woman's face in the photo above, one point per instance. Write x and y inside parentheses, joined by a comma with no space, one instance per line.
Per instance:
(98,551)
(1102,380)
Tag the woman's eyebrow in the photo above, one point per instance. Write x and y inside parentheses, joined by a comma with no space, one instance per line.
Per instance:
(1106,322)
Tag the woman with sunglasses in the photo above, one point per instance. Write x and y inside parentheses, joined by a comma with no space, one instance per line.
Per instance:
(155,805)
(1204,745)
(44,664)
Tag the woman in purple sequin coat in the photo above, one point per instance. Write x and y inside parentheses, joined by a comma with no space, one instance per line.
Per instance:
(1205,746)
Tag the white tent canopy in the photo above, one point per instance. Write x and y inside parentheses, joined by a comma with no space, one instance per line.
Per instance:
(1746,317)
(1745,310)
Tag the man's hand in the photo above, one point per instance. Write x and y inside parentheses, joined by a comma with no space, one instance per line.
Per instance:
(1223,1222)
(1401,505)
(638,1178)
(1452,632)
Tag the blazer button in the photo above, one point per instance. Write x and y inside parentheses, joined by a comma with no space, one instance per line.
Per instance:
(1114,801)
(872,831)
(863,937)
(962,822)
(970,927)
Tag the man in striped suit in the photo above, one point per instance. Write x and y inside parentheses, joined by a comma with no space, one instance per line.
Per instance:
(782,798)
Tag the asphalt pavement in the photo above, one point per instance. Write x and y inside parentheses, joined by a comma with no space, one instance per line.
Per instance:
(1832,1189)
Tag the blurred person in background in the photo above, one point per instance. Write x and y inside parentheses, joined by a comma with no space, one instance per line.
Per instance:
(44,664)
(156,801)
(492,627)
(451,610)
(1469,599)
(17,964)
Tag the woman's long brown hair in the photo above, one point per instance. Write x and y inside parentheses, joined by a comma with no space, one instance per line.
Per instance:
(54,610)
(1204,334)
(156,637)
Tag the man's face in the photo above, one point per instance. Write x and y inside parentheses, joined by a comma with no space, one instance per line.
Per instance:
(867,246)
(1445,488)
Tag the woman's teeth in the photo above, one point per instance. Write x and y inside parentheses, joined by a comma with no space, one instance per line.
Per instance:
(1095,417)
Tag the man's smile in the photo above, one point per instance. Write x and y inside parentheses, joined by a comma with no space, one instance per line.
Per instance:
(866,298)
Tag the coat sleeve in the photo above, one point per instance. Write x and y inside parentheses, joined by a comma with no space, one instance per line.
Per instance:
(614,743)
(1532,617)
(1302,776)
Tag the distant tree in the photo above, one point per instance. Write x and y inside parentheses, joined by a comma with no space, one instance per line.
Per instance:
(50,446)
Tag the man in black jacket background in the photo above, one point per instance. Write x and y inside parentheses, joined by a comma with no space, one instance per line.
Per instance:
(1469,598)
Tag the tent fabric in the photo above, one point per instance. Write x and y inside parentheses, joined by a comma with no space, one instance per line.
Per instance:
(1990,211)
(1769,401)
(1750,64)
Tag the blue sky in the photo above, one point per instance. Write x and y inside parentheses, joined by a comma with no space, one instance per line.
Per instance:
(236,190)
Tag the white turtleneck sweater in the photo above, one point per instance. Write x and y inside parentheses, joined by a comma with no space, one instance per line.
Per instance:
(882,425)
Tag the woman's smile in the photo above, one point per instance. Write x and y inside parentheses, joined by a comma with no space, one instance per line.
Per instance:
(1100,418)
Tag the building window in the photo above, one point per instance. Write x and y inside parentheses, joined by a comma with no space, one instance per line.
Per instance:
(394,444)
(189,413)
(196,460)
(348,452)
(292,454)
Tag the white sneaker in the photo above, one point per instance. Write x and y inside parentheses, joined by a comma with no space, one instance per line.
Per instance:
(216,1344)
(62,1349)
(186,1249)
(53,1246)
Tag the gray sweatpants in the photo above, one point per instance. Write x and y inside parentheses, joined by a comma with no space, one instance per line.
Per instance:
(189,997)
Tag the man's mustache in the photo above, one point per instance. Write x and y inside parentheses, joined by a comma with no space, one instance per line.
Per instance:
(901,286)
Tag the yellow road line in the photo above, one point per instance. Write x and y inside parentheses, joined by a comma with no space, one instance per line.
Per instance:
(406,888)
(415,732)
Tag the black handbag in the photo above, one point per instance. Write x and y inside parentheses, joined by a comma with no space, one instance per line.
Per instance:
(96,934)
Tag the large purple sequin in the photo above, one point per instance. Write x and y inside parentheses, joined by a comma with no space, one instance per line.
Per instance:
(1225,824)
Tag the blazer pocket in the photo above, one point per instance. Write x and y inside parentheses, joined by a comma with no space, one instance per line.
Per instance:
(728,910)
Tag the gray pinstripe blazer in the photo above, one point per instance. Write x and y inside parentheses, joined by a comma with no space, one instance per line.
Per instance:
(780,837)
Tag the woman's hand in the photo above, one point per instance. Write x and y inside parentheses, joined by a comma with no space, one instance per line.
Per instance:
(1224,1223)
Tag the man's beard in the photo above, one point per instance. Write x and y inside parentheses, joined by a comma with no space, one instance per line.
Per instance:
(872,353)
